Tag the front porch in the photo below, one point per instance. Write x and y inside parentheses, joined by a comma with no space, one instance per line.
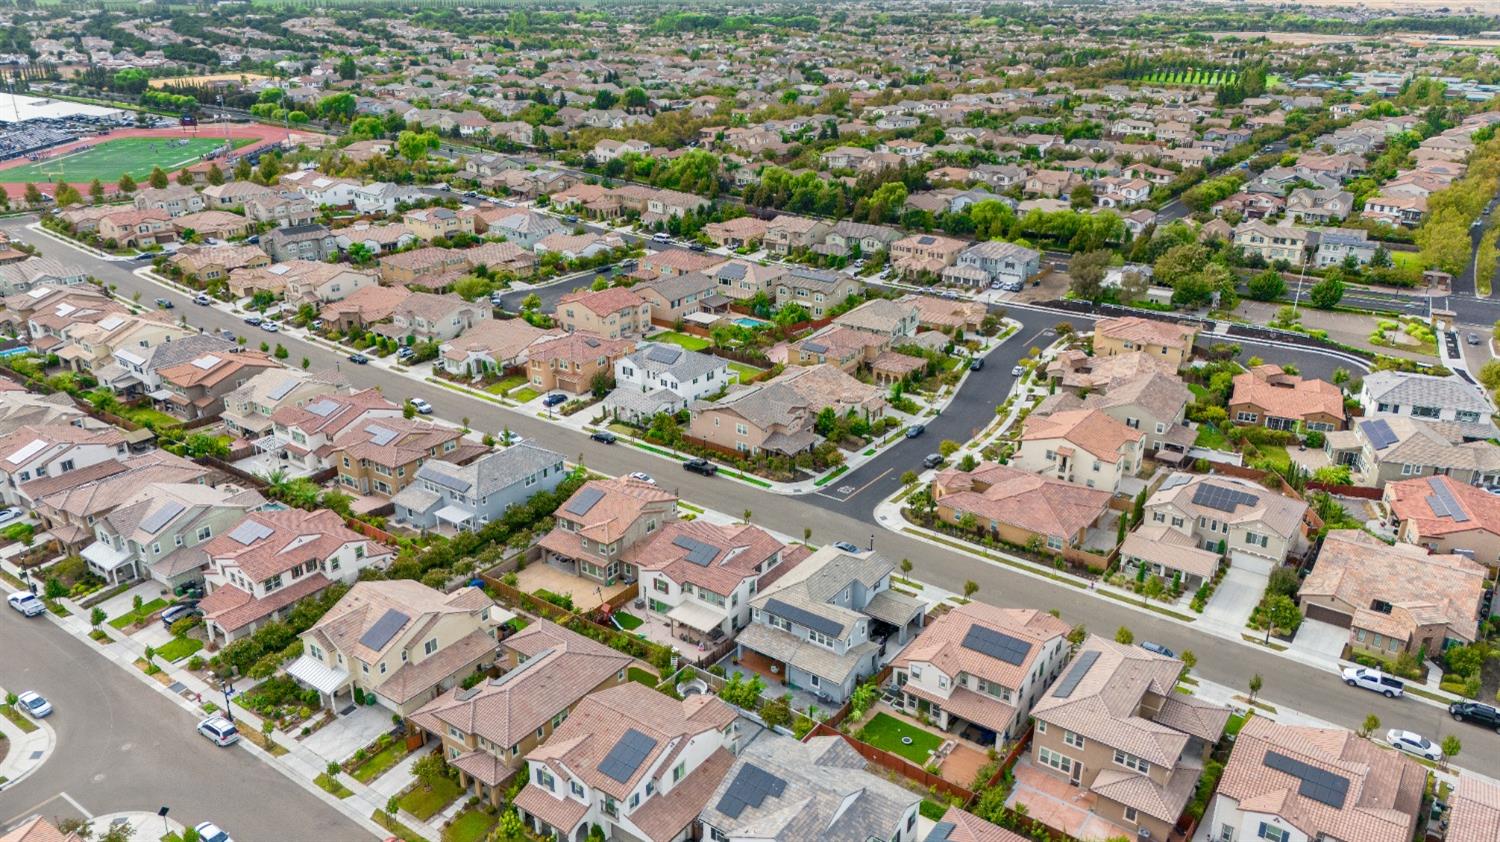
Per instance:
(111,564)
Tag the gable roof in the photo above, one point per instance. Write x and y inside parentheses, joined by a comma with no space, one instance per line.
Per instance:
(1038,504)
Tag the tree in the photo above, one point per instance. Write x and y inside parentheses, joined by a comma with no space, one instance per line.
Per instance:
(215,175)
(127,184)
(1451,746)
(1192,291)
(1180,262)
(1087,271)
(1081,197)
(360,254)
(1327,293)
(68,195)
(1370,726)
(158,178)
(1124,635)
(906,566)
(33,195)
(947,447)
(97,617)
(347,68)
(430,768)
(96,191)
(409,410)
(1189,660)
(971,587)
(1267,286)
(1256,682)
(340,107)
(1280,613)
(414,146)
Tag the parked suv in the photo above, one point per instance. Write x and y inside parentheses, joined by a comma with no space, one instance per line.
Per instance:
(1476,713)
(219,730)
(1375,680)
(700,466)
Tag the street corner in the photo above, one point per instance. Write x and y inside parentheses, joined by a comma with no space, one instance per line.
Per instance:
(26,742)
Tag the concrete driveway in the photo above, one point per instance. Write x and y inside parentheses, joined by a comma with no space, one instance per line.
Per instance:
(1239,592)
(345,735)
(1316,637)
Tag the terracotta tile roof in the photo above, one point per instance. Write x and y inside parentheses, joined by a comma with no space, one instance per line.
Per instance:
(1277,393)
(941,643)
(1141,331)
(37,829)
(1090,429)
(412,440)
(371,303)
(290,537)
(620,502)
(1007,495)
(212,369)
(343,627)
(561,813)
(1385,788)
(1475,815)
(579,346)
(417,677)
(967,827)
(232,608)
(741,549)
(1413,500)
(604,301)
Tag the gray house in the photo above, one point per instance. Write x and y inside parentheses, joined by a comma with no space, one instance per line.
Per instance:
(300,242)
(1336,244)
(1428,398)
(466,497)
(994,263)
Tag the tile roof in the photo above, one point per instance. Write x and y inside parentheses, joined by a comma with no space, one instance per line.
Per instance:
(1285,395)
(605,301)
(1272,510)
(1417,500)
(344,625)
(1042,505)
(288,538)
(231,608)
(1475,807)
(959,826)
(1090,429)
(1141,331)
(1158,543)
(37,829)
(741,549)
(618,503)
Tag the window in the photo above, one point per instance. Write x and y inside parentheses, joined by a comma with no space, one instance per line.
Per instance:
(1041,727)
(1246,417)
(1130,761)
(1072,739)
(678,771)
(1060,762)
(1271,832)
(430,647)
(1054,542)
(1425,412)
(1130,814)
(205,532)
(544,778)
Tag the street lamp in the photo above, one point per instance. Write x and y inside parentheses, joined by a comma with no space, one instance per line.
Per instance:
(872,542)
(228,690)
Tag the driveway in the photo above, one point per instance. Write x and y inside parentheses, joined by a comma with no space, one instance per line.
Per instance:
(345,735)
(1238,593)
(1316,637)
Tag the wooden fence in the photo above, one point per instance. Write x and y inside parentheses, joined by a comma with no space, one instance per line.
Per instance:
(900,765)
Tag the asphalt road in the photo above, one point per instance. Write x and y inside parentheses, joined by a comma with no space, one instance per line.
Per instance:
(1314,691)
(120,746)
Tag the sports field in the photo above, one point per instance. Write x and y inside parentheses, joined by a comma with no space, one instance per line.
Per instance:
(110,159)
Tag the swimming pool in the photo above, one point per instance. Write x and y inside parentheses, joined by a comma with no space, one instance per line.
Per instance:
(746,321)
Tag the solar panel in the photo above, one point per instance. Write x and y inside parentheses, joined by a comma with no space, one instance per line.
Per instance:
(940,832)
(384,629)
(815,347)
(663,354)
(1443,503)
(997,645)
(1379,433)
(750,787)
(250,531)
(1320,785)
(698,552)
(585,499)
(1221,498)
(450,482)
(381,436)
(627,756)
(803,617)
(1075,674)
(206,363)
(157,519)
(322,408)
(282,389)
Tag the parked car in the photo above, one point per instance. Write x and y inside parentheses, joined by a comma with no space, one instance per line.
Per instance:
(10,513)
(846,546)
(642,476)
(1374,680)
(700,466)
(554,399)
(661,237)
(164,303)
(603,436)
(26,603)
(270,326)
(915,430)
(976,364)
(1017,371)
(316,324)
(35,704)
(1413,743)
(253,321)
(1472,339)
(406,351)
(220,731)
(1479,714)
(180,612)
(210,832)
(1157,648)
(932,460)
(202,299)
(359,359)
(422,406)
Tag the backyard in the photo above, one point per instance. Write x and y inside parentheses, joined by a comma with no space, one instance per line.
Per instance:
(890,734)
(685,340)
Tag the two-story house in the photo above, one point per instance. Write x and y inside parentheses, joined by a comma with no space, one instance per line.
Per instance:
(300,242)
(817,290)
(596,527)
(786,234)
(1083,446)
(1230,516)
(304,435)
(573,363)
(1268,396)
(659,377)
(157,531)
(931,253)
(196,389)
(1169,342)
(612,313)
(42,450)
(1273,242)
(770,417)
(994,263)
(468,496)
(381,456)
(1427,398)
(68,504)
(248,409)
(675,297)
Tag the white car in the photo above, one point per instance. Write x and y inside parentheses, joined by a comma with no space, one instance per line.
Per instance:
(35,704)
(1375,681)
(270,327)
(643,477)
(1017,371)
(1413,744)
(26,603)
(210,832)
(422,406)
(220,731)
(11,513)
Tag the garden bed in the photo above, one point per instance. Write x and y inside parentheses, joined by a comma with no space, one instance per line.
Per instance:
(137,616)
(376,759)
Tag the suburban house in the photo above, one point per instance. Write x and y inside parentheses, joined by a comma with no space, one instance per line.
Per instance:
(425,317)
(635,762)
(957,825)
(1336,246)
(1228,515)
(304,435)
(818,290)
(271,559)
(783,789)
(1296,783)
(1020,507)
(526,228)
(36,828)
(300,242)
(701,576)
(1319,206)
(1446,516)
(574,363)
(786,234)
(1427,398)
(468,496)
(1382,450)
(1473,811)
(248,409)
(740,280)
(1114,726)
(888,319)
(214,263)
(672,298)
(1267,396)
(925,253)
(828,623)
(399,641)
(68,505)
(977,670)
(994,262)
(1169,342)
(740,232)
(35,451)
(1169,554)
(598,525)
(434,222)
(659,377)
(492,346)
(197,388)
(136,229)
(1395,600)
(381,456)
(1273,243)
(1083,446)
(1153,401)
(158,528)
(770,417)
(857,239)
(366,306)
(487,730)
(612,313)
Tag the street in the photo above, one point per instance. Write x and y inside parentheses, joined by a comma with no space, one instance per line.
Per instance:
(831,517)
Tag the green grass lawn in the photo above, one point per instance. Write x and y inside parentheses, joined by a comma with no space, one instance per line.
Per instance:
(400,830)
(1236,722)
(332,786)
(506,385)
(110,159)
(470,826)
(1200,393)
(146,416)
(524,394)
(747,373)
(1407,260)
(380,762)
(17,718)
(641,676)
(1211,438)
(885,732)
(686,340)
(627,621)
(1276,453)
(424,802)
(135,615)
(179,648)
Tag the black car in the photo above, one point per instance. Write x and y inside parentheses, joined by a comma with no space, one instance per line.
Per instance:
(696,247)
(932,460)
(554,399)
(359,359)
(976,364)
(915,430)
(700,466)
(164,303)
(603,437)
(253,321)
(1475,712)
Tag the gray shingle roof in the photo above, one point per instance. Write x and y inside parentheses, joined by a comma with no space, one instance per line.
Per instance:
(492,472)
(1395,387)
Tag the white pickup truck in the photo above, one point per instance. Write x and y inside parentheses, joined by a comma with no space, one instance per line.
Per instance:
(1375,681)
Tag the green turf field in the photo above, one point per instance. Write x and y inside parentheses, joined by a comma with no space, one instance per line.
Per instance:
(110,159)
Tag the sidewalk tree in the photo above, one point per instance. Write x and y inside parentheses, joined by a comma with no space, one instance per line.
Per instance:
(158,178)
(1124,635)
(97,617)
(1256,682)
(1280,613)
(1189,660)
(1451,747)
(971,587)
(1266,286)
(1370,726)
(1327,293)
(127,184)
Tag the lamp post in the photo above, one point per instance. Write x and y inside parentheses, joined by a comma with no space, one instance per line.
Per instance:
(228,690)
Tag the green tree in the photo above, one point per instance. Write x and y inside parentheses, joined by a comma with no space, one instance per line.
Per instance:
(33,194)
(1179,263)
(1087,270)
(158,178)
(127,184)
(1451,747)
(67,195)
(1370,726)
(1327,293)
(947,447)
(1267,286)
(1124,635)
(347,69)
(971,587)
(1256,683)
(97,617)
(96,191)
(414,146)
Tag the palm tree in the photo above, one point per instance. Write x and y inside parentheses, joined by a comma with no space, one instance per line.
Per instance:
(278,484)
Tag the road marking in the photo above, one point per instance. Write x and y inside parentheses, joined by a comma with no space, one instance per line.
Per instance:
(846,498)
(37,808)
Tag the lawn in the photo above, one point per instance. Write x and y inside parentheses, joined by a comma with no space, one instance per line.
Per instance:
(17,718)
(885,732)
(1276,453)
(380,762)
(400,830)
(179,648)
(688,341)
(332,786)
(506,385)
(1236,722)
(524,394)
(641,676)
(627,621)
(747,373)
(1201,394)
(146,416)
(1407,260)
(109,160)
(135,615)
(1210,437)
(425,801)
(470,826)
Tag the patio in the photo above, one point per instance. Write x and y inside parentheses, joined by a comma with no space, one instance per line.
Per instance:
(587,594)
(1057,804)
(960,758)
(658,629)
(801,700)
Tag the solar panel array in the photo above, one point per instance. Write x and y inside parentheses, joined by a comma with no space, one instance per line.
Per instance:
(803,617)
(585,499)
(664,354)
(322,408)
(1320,785)
(698,552)
(1075,674)
(940,832)
(1379,433)
(450,482)
(159,518)
(751,786)
(283,388)
(1221,498)
(384,629)
(250,531)
(997,645)
(627,756)
(1442,501)
(380,436)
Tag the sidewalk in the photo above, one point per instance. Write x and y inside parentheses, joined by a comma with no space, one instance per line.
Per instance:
(26,751)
